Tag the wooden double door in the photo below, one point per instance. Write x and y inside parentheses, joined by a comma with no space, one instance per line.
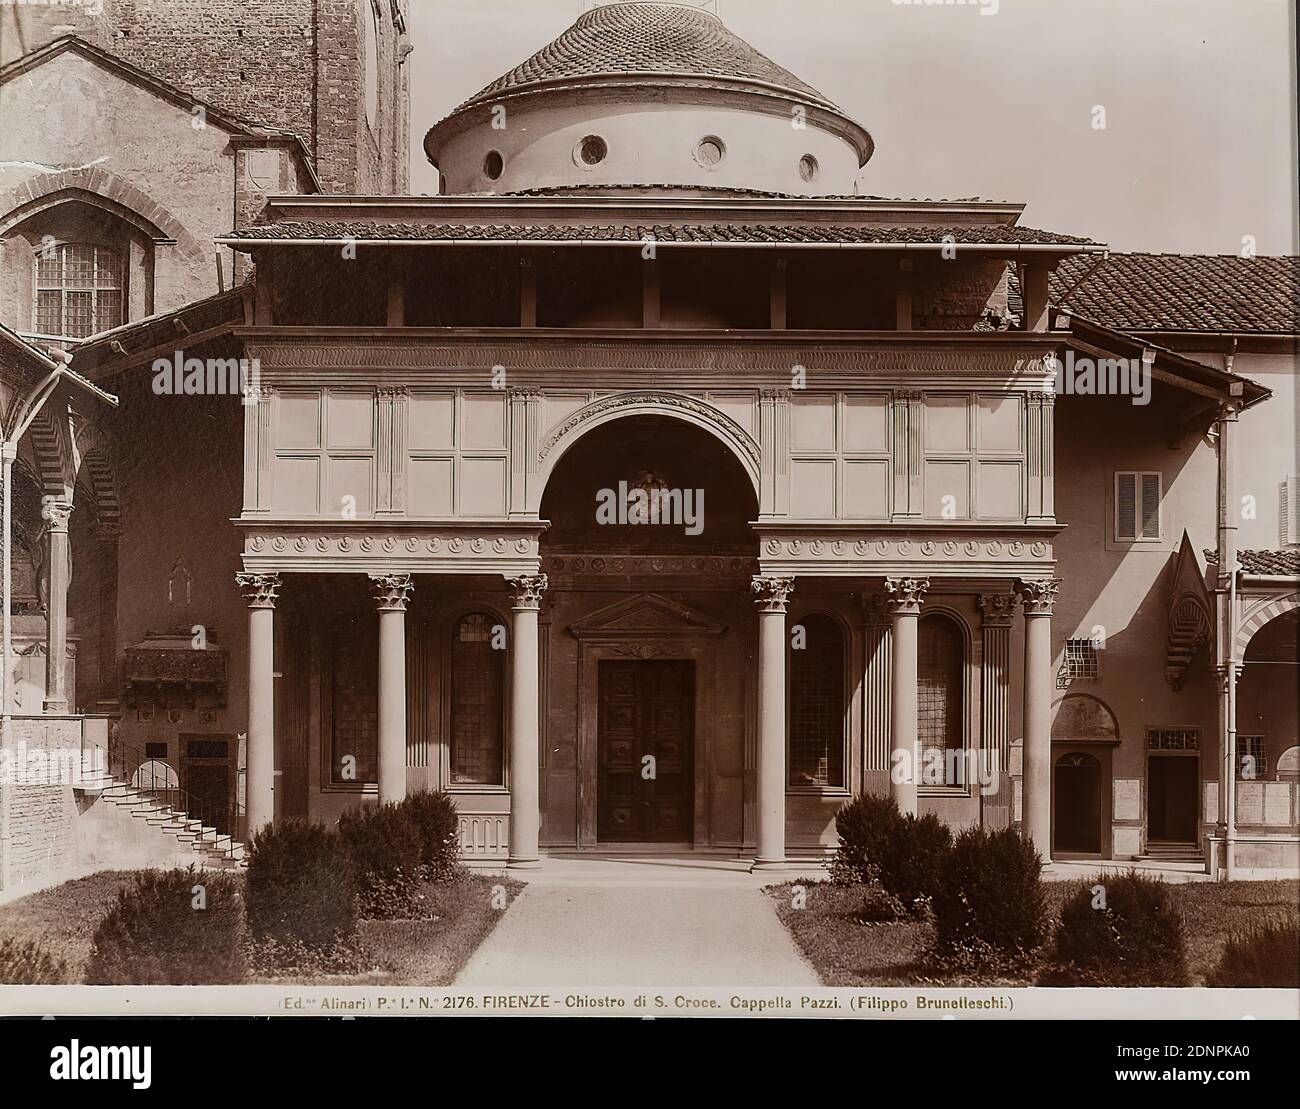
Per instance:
(646,784)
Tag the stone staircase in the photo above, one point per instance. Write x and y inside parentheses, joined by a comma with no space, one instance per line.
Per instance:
(214,850)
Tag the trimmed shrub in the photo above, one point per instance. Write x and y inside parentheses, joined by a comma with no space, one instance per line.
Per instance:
(437,828)
(26,963)
(172,928)
(866,825)
(1118,930)
(1267,955)
(300,887)
(384,846)
(989,893)
(878,843)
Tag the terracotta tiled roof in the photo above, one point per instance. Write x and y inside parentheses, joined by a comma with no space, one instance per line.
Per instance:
(666,233)
(644,37)
(1271,563)
(1184,292)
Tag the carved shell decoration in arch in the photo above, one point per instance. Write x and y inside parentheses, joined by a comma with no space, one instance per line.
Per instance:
(650,399)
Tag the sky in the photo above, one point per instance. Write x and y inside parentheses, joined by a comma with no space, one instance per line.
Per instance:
(1197,152)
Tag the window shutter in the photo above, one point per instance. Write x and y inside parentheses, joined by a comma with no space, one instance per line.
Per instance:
(1150,506)
(1289,511)
(1125,506)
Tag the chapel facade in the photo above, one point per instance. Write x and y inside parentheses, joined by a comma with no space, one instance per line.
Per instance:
(655,488)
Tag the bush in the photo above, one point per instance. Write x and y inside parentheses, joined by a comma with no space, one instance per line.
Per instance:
(300,887)
(28,964)
(437,829)
(878,843)
(384,846)
(172,928)
(1261,957)
(1119,930)
(989,893)
(880,907)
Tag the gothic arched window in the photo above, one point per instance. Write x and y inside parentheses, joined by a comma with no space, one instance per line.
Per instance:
(817,703)
(940,694)
(79,290)
(477,718)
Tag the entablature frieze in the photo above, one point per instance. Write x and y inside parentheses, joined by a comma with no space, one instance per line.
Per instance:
(887,550)
(380,549)
(667,359)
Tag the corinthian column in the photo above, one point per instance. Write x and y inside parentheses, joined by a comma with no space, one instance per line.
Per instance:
(260,592)
(1038,597)
(905,596)
(525,713)
(392,592)
(771,595)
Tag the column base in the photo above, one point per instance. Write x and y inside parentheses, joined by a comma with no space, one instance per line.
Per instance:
(769,864)
(524,864)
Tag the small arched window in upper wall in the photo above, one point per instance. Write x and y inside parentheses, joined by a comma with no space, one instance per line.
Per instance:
(817,704)
(493,165)
(940,696)
(79,290)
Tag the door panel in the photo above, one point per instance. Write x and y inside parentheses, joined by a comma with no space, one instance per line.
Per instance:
(645,751)
(1171,799)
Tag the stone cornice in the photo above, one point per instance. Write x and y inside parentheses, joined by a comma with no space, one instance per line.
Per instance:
(687,360)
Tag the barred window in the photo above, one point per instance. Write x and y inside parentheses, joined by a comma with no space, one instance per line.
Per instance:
(940,720)
(1173,739)
(477,703)
(1251,766)
(817,705)
(79,290)
(1082,661)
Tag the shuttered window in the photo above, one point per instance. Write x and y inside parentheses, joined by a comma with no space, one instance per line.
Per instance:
(1289,511)
(477,703)
(1137,506)
(817,704)
(940,692)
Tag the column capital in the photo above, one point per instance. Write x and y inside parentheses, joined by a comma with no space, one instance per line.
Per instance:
(1038,595)
(526,592)
(57,511)
(997,609)
(905,596)
(391,592)
(259,590)
(771,594)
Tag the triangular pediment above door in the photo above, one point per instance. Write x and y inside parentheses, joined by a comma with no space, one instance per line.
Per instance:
(647,615)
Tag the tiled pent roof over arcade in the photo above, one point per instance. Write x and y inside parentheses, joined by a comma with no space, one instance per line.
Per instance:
(1184,292)
(646,37)
(785,233)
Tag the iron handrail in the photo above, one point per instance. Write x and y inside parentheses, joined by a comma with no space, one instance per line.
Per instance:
(192,809)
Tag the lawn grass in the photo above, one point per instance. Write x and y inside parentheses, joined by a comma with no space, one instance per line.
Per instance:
(63,918)
(455,918)
(845,952)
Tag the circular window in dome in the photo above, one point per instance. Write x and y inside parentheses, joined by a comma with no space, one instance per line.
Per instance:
(590,151)
(809,168)
(493,165)
(710,151)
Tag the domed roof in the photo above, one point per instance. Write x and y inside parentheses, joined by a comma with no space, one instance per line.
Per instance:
(645,37)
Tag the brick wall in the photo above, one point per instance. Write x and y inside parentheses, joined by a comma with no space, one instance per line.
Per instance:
(293,65)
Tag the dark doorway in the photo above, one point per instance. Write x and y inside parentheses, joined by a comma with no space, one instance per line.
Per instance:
(1171,799)
(646,729)
(206,772)
(1076,824)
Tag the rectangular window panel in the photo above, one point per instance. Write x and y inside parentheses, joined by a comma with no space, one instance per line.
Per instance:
(477,700)
(1150,506)
(108,270)
(108,309)
(49,312)
(79,267)
(79,314)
